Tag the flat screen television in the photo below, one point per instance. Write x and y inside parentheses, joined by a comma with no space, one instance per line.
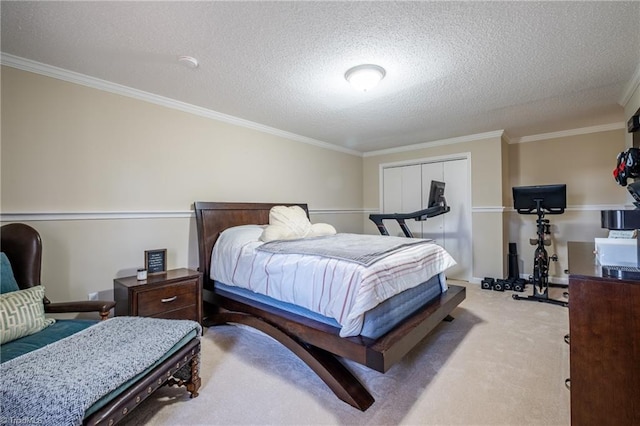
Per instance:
(550,199)
(436,194)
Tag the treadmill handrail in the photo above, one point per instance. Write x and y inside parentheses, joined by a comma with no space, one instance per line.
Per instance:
(419,215)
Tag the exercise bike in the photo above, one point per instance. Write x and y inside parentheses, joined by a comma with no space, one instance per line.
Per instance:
(541,200)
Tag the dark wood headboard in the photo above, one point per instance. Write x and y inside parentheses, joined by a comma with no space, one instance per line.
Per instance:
(213,218)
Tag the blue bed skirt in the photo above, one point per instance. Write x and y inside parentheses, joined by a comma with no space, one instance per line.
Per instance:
(377,321)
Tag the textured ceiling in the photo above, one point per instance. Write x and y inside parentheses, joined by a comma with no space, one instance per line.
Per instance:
(453,68)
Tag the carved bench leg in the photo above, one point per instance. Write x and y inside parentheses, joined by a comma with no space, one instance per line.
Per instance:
(194,383)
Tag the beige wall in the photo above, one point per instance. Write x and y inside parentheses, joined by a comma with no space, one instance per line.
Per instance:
(67,148)
(71,149)
(486,161)
(80,149)
(585,164)
(486,194)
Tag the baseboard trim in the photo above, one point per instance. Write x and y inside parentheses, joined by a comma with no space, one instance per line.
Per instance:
(554,280)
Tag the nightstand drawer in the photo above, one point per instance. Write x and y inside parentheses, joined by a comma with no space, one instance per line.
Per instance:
(175,294)
(167,298)
(186,313)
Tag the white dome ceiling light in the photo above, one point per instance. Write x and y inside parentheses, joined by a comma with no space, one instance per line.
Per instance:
(365,77)
(188,61)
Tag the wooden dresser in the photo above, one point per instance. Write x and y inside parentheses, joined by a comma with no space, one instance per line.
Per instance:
(604,325)
(175,294)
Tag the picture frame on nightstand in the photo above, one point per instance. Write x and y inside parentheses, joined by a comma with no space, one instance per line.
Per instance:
(155,261)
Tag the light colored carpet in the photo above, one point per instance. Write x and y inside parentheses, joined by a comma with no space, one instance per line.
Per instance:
(500,362)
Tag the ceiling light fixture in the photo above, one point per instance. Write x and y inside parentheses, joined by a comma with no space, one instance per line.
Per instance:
(188,61)
(365,77)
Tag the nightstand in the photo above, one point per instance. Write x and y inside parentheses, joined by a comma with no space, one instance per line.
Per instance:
(175,294)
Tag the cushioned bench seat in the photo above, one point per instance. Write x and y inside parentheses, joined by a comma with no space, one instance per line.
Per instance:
(184,373)
(56,331)
(64,328)
(50,358)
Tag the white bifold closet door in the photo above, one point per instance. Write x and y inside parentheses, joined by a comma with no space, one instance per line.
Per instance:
(406,189)
(402,193)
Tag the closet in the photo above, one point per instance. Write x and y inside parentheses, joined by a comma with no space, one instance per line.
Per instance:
(405,188)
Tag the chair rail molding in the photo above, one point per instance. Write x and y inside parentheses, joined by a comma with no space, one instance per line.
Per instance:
(106,215)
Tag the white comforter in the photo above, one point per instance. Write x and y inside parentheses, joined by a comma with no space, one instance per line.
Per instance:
(337,289)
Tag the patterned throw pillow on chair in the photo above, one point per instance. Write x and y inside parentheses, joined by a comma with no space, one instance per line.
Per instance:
(22,313)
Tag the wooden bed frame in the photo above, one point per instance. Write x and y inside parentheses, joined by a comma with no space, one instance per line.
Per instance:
(317,344)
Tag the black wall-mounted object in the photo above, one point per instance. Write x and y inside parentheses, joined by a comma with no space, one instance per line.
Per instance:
(633,126)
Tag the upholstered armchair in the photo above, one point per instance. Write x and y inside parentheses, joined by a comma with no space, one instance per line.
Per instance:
(23,247)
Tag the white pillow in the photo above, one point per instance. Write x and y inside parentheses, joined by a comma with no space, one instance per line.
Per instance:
(288,223)
(237,236)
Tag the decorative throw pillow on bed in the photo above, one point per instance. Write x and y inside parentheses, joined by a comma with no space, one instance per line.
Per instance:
(288,223)
(7,280)
(22,313)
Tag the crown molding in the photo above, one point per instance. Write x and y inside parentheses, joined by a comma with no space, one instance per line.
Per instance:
(630,88)
(506,137)
(118,89)
(450,141)
(571,132)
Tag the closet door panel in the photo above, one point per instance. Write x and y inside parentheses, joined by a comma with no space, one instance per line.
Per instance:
(406,189)
(391,189)
(402,193)
(433,227)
